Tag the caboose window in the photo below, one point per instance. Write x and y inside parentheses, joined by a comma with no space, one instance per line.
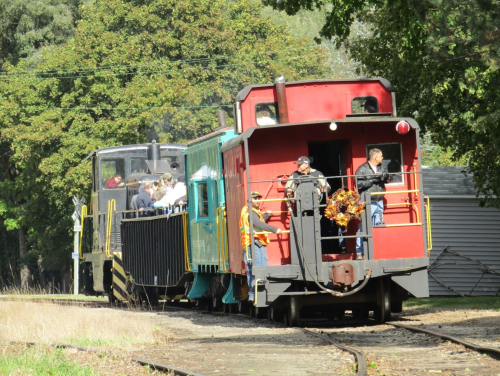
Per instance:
(393,159)
(364,105)
(202,190)
(266,113)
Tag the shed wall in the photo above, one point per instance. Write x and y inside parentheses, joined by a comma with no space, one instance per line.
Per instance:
(470,231)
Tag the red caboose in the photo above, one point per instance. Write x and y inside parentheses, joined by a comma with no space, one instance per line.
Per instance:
(326,121)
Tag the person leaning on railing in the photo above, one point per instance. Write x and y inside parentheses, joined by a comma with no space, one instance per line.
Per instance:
(371,177)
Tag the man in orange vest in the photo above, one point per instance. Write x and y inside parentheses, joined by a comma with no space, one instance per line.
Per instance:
(261,240)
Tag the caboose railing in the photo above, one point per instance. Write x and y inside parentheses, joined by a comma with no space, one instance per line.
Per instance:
(418,223)
(366,230)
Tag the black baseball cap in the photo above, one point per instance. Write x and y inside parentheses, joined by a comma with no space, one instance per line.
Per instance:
(302,160)
(255,194)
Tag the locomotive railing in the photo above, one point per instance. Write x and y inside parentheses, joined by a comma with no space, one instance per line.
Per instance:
(82,221)
(111,209)
(185,226)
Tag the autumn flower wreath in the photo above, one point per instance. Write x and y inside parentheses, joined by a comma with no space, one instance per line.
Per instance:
(343,206)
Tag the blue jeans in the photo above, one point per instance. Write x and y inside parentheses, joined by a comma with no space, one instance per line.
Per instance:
(377,217)
(260,260)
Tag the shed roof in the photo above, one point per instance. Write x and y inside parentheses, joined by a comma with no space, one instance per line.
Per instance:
(447,181)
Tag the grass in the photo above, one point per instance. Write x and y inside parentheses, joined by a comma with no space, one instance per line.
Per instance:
(40,361)
(44,322)
(39,293)
(452,302)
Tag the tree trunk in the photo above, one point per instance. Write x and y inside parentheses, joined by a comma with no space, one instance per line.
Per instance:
(23,251)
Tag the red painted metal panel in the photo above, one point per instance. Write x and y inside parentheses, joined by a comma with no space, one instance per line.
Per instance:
(316,101)
(274,150)
(235,199)
(398,242)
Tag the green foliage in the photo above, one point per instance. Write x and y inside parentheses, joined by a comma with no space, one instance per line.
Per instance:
(26,26)
(435,155)
(442,59)
(37,361)
(131,66)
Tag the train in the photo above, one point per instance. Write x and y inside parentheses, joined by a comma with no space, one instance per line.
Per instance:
(196,254)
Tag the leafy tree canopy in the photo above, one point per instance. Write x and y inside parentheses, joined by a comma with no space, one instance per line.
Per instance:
(26,26)
(442,58)
(131,65)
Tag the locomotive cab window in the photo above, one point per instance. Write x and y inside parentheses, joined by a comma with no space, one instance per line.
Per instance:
(112,173)
(393,160)
(138,164)
(266,113)
(172,161)
(364,105)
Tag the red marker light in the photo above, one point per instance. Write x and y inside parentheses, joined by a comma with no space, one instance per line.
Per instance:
(402,127)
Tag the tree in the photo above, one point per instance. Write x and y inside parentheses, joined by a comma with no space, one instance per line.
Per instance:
(26,26)
(442,58)
(130,65)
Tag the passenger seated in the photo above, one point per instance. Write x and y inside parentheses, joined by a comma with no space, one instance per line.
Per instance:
(168,182)
(172,195)
(133,205)
(114,182)
(144,200)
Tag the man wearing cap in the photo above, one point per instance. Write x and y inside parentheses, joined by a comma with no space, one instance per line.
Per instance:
(303,171)
(261,240)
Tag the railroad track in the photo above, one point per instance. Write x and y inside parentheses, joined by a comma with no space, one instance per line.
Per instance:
(361,364)
(351,342)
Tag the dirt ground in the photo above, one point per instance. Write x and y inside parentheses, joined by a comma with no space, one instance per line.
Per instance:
(212,344)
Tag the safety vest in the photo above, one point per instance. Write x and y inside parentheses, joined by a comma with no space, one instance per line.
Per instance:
(246,239)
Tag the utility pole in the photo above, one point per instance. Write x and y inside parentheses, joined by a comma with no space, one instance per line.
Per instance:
(76,250)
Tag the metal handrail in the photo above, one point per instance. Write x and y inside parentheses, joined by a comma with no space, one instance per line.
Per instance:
(407,203)
(111,205)
(187,265)
(269,232)
(275,199)
(429,227)
(339,176)
(84,213)
(221,232)
(415,171)
(393,192)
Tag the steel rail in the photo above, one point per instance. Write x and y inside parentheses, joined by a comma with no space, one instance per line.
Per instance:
(158,366)
(360,358)
(467,344)
(161,367)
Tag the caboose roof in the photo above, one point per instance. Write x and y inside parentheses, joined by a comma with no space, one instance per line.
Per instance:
(244,93)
